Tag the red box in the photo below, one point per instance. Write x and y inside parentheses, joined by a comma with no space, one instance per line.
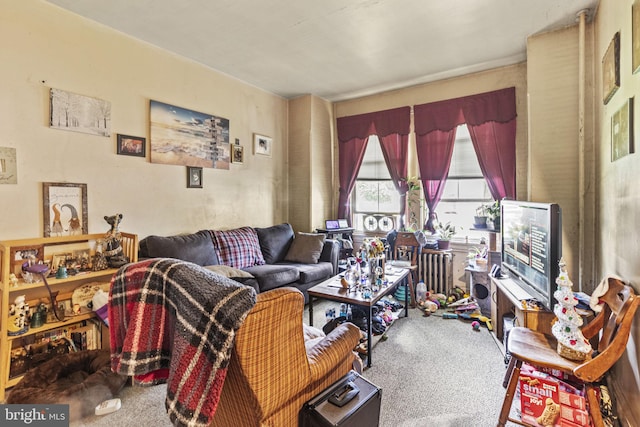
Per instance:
(535,390)
(540,391)
(571,399)
(576,416)
(565,423)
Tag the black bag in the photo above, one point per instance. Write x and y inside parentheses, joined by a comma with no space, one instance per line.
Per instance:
(352,401)
(332,324)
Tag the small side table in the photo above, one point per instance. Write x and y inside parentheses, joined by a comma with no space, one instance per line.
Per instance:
(480,288)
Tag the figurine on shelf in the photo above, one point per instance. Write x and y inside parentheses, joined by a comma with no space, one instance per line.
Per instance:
(18,316)
(14,280)
(571,343)
(114,253)
(98,261)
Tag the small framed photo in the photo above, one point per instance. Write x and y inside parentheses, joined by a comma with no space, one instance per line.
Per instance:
(131,145)
(237,154)
(60,260)
(611,69)
(194,177)
(262,145)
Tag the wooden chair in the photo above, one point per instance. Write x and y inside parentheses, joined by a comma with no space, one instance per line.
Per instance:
(407,243)
(611,330)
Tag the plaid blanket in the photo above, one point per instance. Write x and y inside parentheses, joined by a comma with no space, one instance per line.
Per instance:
(175,322)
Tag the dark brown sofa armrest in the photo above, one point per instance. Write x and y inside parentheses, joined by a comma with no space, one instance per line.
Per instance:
(331,253)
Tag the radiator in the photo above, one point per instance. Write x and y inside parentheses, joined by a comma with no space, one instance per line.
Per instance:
(435,269)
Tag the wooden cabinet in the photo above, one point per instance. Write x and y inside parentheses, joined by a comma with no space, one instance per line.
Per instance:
(504,302)
(13,253)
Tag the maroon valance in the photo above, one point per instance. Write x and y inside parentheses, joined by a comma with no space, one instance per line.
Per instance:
(497,106)
(380,123)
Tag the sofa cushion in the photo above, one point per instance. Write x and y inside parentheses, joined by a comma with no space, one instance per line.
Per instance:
(275,242)
(238,248)
(306,248)
(196,248)
(271,276)
(314,272)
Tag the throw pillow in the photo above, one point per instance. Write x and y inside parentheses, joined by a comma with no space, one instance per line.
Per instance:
(275,242)
(238,248)
(306,248)
(226,271)
(196,248)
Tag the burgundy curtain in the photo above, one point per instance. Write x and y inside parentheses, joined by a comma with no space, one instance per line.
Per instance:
(395,149)
(434,157)
(392,128)
(495,147)
(491,118)
(350,155)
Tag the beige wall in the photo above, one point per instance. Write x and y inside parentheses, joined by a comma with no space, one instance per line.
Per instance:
(618,198)
(42,47)
(310,160)
(554,147)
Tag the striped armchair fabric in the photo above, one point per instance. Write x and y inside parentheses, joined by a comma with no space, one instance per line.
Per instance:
(271,374)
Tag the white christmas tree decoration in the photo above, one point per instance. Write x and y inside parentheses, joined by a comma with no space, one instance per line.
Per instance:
(571,343)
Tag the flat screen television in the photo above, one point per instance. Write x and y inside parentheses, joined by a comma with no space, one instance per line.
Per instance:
(532,246)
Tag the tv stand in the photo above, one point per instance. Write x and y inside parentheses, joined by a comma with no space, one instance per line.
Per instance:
(507,297)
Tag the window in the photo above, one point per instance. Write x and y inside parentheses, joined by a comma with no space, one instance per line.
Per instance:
(465,189)
(375,200)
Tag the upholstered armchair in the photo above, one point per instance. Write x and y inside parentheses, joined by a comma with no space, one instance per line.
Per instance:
(278,364)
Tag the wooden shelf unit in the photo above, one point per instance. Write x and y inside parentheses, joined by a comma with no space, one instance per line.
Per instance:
(35,292)
(504,302)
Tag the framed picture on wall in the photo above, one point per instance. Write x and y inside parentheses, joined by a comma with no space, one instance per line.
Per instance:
(131,145)
(194,177)
(64,209)
(237,154)
(262,145)
(611,69)
(622,131)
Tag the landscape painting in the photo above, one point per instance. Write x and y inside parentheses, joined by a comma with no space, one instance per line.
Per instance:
(79,113)
(185,137)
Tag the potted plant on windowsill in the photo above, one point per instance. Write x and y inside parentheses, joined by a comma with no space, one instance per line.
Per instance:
(493,211)
(480,218)
(444,234)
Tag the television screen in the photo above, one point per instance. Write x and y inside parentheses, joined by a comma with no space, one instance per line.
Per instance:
(532,246)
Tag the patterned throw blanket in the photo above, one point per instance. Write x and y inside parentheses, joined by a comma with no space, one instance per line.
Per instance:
(175,322)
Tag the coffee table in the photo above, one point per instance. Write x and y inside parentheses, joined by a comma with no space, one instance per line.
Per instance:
(332,290)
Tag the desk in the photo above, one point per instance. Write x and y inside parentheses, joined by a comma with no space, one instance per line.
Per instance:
(504,302)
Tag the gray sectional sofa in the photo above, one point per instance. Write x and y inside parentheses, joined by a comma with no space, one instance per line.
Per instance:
(265,258)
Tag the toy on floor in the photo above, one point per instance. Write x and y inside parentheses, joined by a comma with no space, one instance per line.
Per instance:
(475,325)
(484,320)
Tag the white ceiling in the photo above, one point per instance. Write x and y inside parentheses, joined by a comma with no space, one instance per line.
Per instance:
(337,49)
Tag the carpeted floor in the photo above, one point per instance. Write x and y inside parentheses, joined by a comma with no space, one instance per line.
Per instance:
(433,372)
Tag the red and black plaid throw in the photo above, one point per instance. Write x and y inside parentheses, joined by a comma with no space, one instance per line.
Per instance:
(175,322)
